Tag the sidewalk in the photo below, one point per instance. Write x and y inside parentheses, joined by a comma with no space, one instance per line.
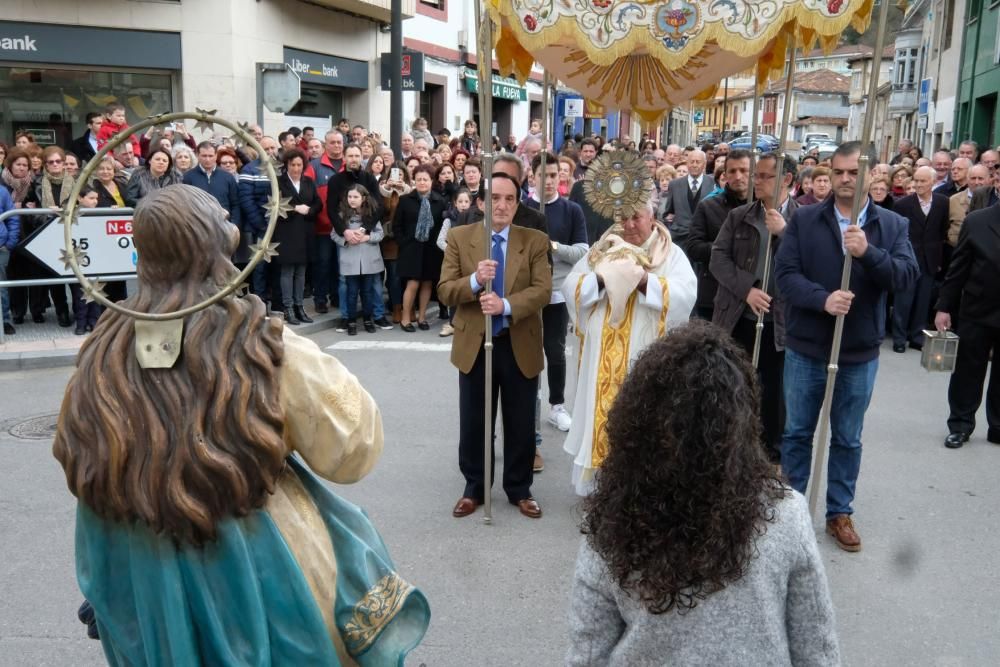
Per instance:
(49,345)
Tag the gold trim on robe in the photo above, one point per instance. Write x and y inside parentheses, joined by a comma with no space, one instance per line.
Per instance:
(374,611)
(580,325)
(611,371)
(662,328)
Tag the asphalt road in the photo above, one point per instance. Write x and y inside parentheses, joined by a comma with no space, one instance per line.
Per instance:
(923,591)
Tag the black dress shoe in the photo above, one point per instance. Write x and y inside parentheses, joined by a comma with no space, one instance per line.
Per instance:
(916,346)
(8,329)
(898,348)
(19,319)
(352,328)
(423,326)
(993,436)
(322,309)
(80,330)
(408,328)
(290,317)
(956,440)
(37,318)
(369,325)
(64,319)
(300,313)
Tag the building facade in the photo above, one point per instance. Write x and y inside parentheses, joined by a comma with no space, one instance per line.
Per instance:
(69,57)
(928,51)
(980,74)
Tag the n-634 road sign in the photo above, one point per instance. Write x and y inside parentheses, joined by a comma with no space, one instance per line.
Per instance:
(105,239)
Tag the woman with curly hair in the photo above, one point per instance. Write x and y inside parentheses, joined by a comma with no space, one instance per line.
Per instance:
(695,551)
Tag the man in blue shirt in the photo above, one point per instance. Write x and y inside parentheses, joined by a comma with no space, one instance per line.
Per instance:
(808,271)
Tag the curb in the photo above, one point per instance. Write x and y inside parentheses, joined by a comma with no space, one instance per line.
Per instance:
(55,358)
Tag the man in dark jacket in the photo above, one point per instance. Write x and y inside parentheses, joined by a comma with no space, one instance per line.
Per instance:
(973,281)
(219,183)
(707,221)
(85,146)
(808,275)
(927,213)
(682,196)
(336,190)
(254,189)
(737,263)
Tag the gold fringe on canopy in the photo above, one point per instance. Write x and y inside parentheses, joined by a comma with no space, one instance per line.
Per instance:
(645,56)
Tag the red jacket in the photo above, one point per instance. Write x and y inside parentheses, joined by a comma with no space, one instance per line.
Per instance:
(108,130)
(321,171)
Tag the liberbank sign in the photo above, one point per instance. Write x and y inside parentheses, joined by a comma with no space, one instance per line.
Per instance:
(83,45)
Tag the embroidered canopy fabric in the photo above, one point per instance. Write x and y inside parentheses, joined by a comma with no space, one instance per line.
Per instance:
(645,56)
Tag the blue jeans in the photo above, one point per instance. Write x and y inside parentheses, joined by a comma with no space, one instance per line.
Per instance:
(323,267)
(378,300)
(392,284)
(4,297)
(358,285)
(805,382)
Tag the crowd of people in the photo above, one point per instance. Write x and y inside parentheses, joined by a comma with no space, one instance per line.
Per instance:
(380,237)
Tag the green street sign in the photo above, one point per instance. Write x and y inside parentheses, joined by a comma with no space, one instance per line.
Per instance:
(503,87)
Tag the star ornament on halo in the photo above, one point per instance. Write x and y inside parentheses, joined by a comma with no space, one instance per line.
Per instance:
(282,205)
(204,124)
(64,216)
(93,289)
(68,258)
(160,126)
(265,253)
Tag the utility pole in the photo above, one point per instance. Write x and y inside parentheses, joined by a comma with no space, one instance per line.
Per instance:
(396,85)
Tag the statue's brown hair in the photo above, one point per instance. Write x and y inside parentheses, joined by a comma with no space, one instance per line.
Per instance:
(181,448)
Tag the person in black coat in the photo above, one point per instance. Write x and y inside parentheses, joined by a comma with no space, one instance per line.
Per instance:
(928,232)
(419,263)
(973,281)
(85,146)
(294,233)
(708,217)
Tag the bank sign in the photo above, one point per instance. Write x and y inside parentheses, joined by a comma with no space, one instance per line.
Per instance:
(503,88)
(81,45)
(321,68)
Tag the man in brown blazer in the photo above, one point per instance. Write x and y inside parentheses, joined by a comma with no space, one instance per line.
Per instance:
(518,258)
(979,177)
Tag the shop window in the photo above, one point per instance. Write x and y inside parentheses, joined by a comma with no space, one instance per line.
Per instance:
(54,102)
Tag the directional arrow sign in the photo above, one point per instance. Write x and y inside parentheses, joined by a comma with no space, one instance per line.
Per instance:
(106,240)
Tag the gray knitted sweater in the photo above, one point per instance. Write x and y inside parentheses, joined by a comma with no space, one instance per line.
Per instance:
(779,613)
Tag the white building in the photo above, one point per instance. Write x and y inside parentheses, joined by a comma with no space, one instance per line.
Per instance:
(172,55)
(445,34)
(925,73)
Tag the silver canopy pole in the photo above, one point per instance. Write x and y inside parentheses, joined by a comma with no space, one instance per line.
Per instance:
(860,197)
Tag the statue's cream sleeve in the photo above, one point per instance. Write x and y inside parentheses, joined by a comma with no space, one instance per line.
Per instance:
(330,420)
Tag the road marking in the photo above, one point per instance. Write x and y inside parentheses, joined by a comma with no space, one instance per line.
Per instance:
(390,345)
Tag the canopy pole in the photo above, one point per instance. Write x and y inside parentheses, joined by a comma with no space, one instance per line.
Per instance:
(484,56)
(779,177)
(860,198)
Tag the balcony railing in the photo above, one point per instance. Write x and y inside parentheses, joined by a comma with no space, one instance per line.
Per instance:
(380,10)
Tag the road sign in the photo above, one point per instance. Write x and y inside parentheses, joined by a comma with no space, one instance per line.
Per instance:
(924,98)
(574,107)
(106,240)
(412,68)
(281,86)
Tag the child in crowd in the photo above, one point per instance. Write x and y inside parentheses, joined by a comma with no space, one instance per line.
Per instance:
(460,203)
(86,313)
(114,122)
(360,257)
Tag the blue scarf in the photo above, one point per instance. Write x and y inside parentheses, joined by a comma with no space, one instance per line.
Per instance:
(424,220)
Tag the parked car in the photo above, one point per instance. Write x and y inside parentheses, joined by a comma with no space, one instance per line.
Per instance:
(816,138)
(766,143)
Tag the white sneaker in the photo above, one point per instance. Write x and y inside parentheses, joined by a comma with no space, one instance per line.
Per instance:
(447,330)
(559,418)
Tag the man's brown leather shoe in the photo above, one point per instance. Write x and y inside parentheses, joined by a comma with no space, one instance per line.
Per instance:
(465,506)
(842,529)
(529,508)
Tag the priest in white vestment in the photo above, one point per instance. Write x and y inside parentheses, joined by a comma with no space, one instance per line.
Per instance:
(631,288)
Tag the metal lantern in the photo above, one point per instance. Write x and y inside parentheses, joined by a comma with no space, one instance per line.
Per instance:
(940,351)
